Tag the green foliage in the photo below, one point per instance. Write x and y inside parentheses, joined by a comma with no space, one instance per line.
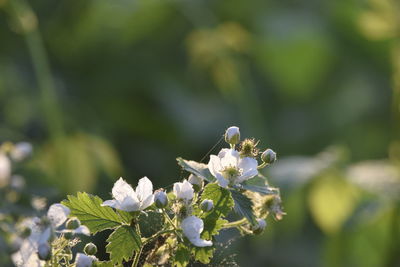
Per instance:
(87,208)
(182,256)
(122,243)
(196,168)
(243,206)
(223,204)
(103,264)
(204,254)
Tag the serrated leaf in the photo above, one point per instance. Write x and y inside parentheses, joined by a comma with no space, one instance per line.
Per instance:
(243,206)
(182,256)
(204,254)
(196,168)
(122,243)
(223,204)
(87,208)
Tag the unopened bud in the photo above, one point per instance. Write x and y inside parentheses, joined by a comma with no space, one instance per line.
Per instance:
(196,181)
(73,223)
(259,228)
(90,249)
(268,156)
(68,234)
(161,199)
(232,135)
(44,251)
(207,205)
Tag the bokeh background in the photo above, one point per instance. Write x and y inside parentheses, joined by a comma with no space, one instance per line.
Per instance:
(104,89)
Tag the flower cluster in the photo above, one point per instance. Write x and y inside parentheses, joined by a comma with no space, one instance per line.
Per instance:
(160,227)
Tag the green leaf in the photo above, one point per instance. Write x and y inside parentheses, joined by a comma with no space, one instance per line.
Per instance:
(182,256)
(243,206)
(223,204)
(264,190)
(87,208)
(103,264)
(196,168)
(204,254)
(122,243)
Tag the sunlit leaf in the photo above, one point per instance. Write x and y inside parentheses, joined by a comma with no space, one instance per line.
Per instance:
(122,243)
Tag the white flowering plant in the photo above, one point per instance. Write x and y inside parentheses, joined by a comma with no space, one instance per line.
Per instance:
(157,228)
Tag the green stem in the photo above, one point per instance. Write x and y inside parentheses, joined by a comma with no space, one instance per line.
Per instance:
(137,254)
(263,165)
(235,223)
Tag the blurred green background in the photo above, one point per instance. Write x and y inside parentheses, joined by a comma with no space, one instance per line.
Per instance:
(104,89)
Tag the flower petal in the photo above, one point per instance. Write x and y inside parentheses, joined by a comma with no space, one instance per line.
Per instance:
(111,203)
(184,190)
(147,202)
(198,242)
(122,189)
(249,167)
(144,188)
(214,165)
(129,204)
(83,230)
(230,158)
(222,181)
(192,226)
(83,260)
(57,214)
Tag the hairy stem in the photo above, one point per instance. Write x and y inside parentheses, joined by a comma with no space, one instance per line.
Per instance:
(235,223)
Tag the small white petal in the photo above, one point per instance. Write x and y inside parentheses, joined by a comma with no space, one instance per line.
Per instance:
(198,242)
(192,227)
(147,202)
(110,203)
(83,260)
(83,230)
(58,214)
(249,167)
(221,180)
(144,189)
(21,151)
(214,165)
(5,170)
(231,158)
(129,204)
(184,190)
(122,189)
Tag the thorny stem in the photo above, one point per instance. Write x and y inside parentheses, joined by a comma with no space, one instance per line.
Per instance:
(172,223)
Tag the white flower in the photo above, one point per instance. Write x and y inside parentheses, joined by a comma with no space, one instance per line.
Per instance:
(192,227)
(5,169)
(184,191)
(232,135)
(21,151)
(83,260)
(27,255)
(229,168)
(127,199)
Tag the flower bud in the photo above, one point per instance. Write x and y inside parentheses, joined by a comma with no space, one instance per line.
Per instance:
(196,181)
(259,228)
(68,234)
(268,156)
(207,205)
(73,223)
(161,199)
(232,135)
(44,251)
(90,249)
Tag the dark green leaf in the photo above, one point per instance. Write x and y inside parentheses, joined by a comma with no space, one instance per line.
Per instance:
(87,208)
(243,206)
(196,168)
(182,256)
(103,264)
(122,243)
(223,204)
